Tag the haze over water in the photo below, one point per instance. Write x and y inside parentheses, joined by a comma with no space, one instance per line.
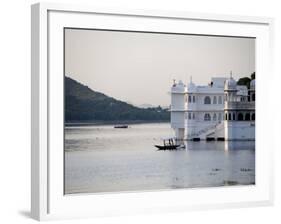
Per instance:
(104,159)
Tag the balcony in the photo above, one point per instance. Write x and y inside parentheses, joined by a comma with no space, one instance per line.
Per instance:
(240,105)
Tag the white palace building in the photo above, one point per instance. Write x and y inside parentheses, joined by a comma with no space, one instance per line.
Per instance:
(221,110)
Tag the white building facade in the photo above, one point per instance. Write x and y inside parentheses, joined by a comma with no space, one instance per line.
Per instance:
(221,110)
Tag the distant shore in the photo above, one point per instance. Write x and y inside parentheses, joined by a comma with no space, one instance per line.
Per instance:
(90,123)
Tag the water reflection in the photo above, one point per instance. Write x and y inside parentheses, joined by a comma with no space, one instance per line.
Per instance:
(102,159)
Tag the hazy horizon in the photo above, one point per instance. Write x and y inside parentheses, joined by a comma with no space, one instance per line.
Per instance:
(139,68)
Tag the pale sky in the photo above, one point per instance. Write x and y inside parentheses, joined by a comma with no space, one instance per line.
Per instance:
(139,68)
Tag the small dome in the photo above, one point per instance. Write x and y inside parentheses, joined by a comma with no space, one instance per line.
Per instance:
(178,87)
(180,83)
(253,84)
(230,84)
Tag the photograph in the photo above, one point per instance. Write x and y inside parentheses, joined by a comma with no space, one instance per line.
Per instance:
(151,111)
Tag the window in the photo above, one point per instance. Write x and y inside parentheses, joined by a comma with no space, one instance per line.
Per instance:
(207,100)
(233,117)
(189,116)
(193,99)
(240,117)
(253,97)
(253,117)
(220,100)
(247,117)
(226,117)
(193,117)
(189,99)
(207,117)
(215,100)
(214,117)
(229,116)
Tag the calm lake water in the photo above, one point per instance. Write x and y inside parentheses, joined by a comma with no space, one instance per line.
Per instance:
(104,159)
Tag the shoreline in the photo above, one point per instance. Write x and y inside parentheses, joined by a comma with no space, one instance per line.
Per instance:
(99,123)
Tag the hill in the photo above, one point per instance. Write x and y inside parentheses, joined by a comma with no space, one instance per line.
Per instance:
(83,104)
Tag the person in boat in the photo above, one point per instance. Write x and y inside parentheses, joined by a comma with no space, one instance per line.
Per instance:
(168,144)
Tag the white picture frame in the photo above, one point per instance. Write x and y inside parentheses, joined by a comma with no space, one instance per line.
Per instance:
(47,198)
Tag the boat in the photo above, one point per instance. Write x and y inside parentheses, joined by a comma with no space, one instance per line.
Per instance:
(167,147)
(168,144)
(121,126)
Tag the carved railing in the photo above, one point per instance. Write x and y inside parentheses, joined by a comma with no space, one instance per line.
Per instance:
(240,105)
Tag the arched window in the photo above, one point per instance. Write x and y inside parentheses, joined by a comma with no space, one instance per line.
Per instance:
(219,117)
(229,116)
(215,100)
(214,117)
(253,117)
(189,116)
(207,117)
(207,100)
(189,99)
(240,117)
(247,117)
(193,99)
(253,97)
(226,116)
(249,98)
(220,100)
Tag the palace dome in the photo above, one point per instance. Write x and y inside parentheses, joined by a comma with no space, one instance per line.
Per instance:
(179,87)
(253,84)
(230,84)
(180,83)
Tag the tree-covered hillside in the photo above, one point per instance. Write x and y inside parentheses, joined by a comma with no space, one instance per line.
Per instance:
(83,104)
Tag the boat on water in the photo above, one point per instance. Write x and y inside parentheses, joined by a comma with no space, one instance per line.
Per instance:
(121,126)
(169,144)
